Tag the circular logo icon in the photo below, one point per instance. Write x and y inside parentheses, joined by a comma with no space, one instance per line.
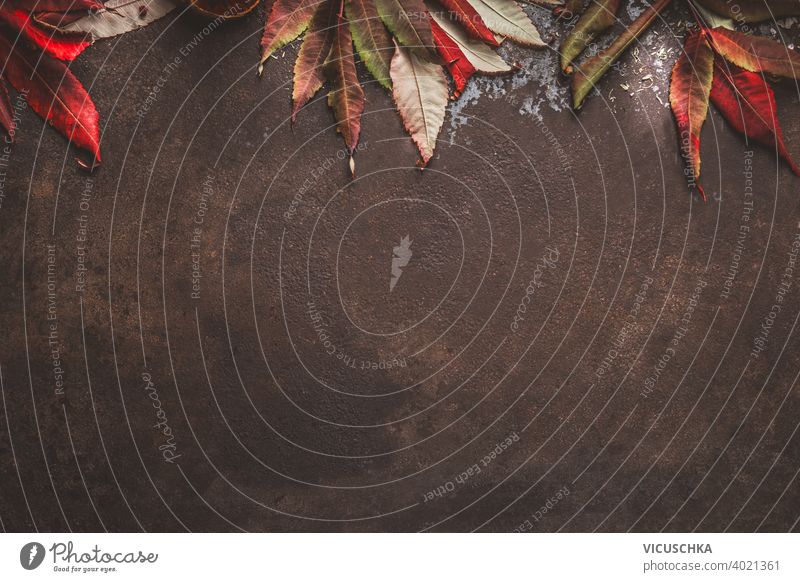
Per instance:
(31,555)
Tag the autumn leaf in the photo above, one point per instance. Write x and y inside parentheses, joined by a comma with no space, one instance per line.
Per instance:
(117,17)
(466,15)
(121,16)
(317,43)
(482,57)
(55,94)
(688,95)
(747,102)
(61,47)
(462,41)
(755,53)
(409,21)
(406,47)
(346,97)
(599,17)
(589,73)
(372,40)
(743,96)
(459,67)
(508,19)
(463,55)
(419,89)
(286,21)
(62,29)
(753,10)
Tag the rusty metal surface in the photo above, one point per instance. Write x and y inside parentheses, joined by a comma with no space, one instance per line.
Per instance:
(560,350)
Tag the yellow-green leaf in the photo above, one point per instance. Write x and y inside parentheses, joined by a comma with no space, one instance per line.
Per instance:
(590,72)
(372,40)
(598,18)
(689,91)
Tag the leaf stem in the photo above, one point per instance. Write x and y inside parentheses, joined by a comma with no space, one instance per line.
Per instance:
(701,22)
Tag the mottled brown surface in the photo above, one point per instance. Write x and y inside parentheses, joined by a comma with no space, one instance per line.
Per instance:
(273,432)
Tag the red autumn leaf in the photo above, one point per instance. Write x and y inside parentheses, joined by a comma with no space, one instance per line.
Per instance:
(347,96)
(286,21)
(55,94)
(61,47)
(756,53)
(466,15)
(309,66)
(6,109)
(688,95)
(747,102)
(457,64)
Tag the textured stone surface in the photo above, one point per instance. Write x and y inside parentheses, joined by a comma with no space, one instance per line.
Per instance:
(303,394)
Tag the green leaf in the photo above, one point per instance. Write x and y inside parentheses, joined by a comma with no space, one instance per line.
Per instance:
(372,40)
(590,72)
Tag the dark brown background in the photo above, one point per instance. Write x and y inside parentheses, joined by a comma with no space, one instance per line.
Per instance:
(276,434)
